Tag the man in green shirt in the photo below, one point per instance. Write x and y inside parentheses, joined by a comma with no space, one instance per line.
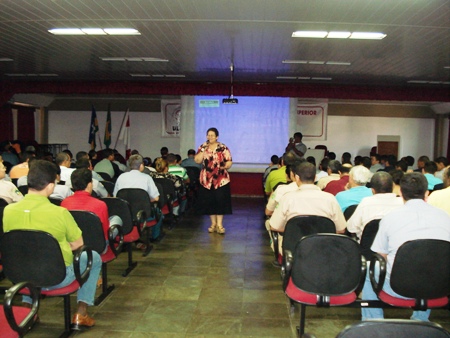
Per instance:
(36,212)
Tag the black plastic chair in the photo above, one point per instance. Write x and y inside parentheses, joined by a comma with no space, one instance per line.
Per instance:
(349,211)
(367,238)
(131,228)
(23,189)
(420,271)
(3,204)
(93,236)
(300,226)
(35,256)
(16,321)
(194,185)
(105,176)
(394,328)
(109,186)
(55,201)
(324,270)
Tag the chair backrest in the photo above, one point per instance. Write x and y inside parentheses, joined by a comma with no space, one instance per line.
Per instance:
(367,237)
(138,199)
(105,176)
(421,269)
(23,189)
(349,211)
(194,175)
(327,264)
(109,186)
(34,256)
(120,207)
(55,201)
(91,226)
(278,184)
(3,204)
(168,187)
(393,328)
(300,226)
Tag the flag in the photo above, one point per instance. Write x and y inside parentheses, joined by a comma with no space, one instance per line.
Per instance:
(107,137)
(93,128)
(125,134)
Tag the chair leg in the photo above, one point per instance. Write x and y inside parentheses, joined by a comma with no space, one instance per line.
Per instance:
(147,241)
(67,319)
(302,319)
(131,264)
(106,290)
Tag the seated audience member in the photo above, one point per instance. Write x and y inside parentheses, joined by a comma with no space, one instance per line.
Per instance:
(441,198)
(396,177)
(149,168)
(357,190)
(82,200)
(57,221)
(93,157)
(135,178)
(323,167)
(189,160)
(120,161)
(278,175)
(383,159)
(97,186)
(9,154)
(108,166)
(357,160)
(334,167)
(63,161)
(308,199)
(389,163)
(8,191)
(416,219)
(164,151)
(331,155)
(175,169)
(346,158)
(429,169)
(421,163)
(22,168)
(375,161)
(282,189)
(410,161)
(61,191)
(273,165)
(401,165)
(71,159)
(83,154)
(376,206)
(366,162)
(441,163)
(334,187)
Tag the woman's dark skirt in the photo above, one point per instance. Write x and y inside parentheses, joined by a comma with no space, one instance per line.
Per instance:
(214,201)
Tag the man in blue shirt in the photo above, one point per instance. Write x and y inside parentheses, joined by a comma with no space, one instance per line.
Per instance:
(357,190)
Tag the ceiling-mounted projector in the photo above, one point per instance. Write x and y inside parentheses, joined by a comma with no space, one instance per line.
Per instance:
(230,100)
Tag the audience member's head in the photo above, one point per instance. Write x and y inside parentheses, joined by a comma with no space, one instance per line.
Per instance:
(413,186)
(383,159)
(147,161)
(288,158)
(274,159)
(402,165)
(391,160)
(410,160)
(63,159)
(430,167)
(27,155)
(441,162)
(298,137)
(136,162)
(366,162)
(374,159)
(80,179)
(134,152)
(311,159)
(446,177)
(83,163)
(360,175)
(171,159)
(324,164)
(358,160)
(178,157)
(191,153)
(334,166)
(161,165)
(396,175)
(164,152)
(421,161)
(381,183)
(331,155)
(306,172)
(92,154)
(346,158)
(68,152)
(345,169)
(108,154)
(81,154)
(41,174)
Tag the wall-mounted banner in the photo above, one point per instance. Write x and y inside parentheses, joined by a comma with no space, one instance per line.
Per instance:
(312,120)
(171,114)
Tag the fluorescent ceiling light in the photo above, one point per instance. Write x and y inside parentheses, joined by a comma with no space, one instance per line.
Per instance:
(5,59)
(304,78)
(94,31)
(428,82)
(367,35)
(339,35)
(31,75)
(338,63)
(287,77)
(322,78)
(121,31)
(133,59)
(311,62)
(309,34)
(295,61)
(316,62)
(445,67)
(140,75)
(175,75)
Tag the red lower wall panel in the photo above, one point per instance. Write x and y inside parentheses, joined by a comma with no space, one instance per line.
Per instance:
(249,184)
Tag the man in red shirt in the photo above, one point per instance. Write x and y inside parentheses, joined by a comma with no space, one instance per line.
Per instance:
(339,185)
(82,199)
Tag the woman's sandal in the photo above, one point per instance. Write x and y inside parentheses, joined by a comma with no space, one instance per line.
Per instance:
(220,230)
(212,228)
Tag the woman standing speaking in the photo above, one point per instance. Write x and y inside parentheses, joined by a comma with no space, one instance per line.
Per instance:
(214,194)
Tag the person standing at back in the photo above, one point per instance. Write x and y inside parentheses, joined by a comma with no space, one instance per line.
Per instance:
(215,193)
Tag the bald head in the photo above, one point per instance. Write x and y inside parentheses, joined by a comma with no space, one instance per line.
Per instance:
(382,183)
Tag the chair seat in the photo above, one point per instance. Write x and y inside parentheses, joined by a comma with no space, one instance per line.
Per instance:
(411,303)
(133,236)
(298,295)
(66,290)
(165,209)
(19,314)
(108,256)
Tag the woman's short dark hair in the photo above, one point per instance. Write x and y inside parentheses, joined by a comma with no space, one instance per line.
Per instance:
(41,174)
(214,130)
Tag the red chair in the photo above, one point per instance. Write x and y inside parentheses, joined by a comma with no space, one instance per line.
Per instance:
(35,256)
(93,236)
(16,321)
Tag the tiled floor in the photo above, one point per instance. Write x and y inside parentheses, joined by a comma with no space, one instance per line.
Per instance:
(196,284)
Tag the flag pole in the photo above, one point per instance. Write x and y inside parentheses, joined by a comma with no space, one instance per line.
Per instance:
(120,130)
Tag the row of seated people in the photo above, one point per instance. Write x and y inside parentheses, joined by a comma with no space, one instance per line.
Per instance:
(41,183)
(412,215)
